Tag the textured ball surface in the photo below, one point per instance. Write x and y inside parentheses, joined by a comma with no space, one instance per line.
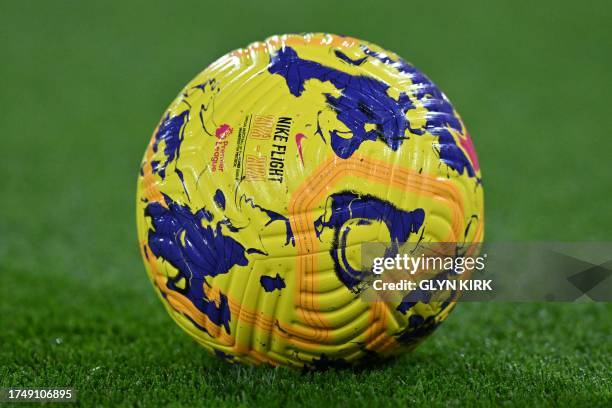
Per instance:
(267,172)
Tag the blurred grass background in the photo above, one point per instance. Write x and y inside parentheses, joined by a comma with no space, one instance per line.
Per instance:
(82,87)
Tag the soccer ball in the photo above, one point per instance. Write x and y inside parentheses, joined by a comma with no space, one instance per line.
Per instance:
(270,168)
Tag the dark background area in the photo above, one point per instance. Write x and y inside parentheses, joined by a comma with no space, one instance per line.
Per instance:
(82,87)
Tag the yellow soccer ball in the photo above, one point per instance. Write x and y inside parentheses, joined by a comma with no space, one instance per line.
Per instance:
(266,173)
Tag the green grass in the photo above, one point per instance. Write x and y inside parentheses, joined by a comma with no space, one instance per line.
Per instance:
(82,88)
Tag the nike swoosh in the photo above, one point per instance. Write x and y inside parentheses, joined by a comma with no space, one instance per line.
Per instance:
(298,141)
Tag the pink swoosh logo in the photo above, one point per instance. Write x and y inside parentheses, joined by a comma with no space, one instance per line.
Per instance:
(298,141)
(466,143)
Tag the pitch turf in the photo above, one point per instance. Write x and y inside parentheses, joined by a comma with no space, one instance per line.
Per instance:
(83,86)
